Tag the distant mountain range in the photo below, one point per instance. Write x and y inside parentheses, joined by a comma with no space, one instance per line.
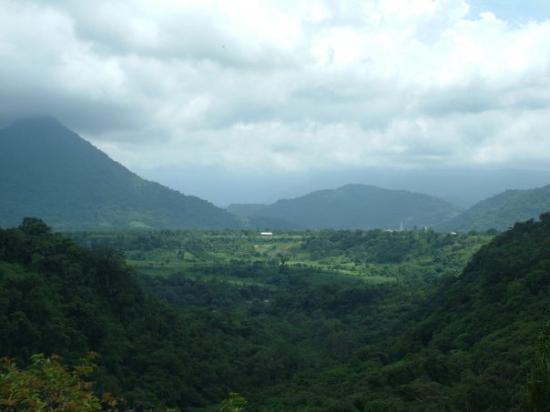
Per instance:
(502,211)
(50,172)
(350,207)
(368,207)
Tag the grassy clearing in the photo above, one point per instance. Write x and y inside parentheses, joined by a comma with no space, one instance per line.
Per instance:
(369,256)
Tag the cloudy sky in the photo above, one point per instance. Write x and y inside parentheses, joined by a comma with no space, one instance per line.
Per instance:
(234,100)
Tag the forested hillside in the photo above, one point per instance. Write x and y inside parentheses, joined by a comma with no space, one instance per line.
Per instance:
(500,212)
(470,344)
(51,172)
(56,298)
(353,207)
(327,321)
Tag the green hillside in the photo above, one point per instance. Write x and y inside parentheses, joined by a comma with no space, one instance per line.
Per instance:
(59,299)
(324,321)
(354,207)
(470,342)
(51,172)
(500,212)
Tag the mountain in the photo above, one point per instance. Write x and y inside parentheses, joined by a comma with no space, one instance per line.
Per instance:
(354,207)
(51,172)
(502,211)
(463,186)
(250,215)
(245,210)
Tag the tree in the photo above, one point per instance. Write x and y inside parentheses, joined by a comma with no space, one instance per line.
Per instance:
(34,227)
(234,403)
(538,387)
(48,385)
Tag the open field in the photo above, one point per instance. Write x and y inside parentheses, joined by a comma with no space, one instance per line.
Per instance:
(369,256)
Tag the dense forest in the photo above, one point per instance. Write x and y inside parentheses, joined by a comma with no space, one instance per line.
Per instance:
(303,321)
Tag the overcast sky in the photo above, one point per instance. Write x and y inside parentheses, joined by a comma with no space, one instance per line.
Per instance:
(194,92)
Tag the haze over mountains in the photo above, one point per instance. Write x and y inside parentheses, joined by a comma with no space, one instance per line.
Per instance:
(354,206)
(51,172)
(502,211)
(460,185)
(367,207)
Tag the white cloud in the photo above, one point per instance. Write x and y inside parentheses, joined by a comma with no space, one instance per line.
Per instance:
(286,85)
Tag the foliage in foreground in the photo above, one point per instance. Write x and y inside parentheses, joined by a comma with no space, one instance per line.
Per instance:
(46,384)
(538,388)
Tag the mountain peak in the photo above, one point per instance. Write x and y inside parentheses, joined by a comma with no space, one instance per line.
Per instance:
(38,122)
(35,132)
(354,206)
(49,171)
(359,186)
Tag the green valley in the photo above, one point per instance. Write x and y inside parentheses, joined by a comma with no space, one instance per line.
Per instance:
(275,206)
(295,321)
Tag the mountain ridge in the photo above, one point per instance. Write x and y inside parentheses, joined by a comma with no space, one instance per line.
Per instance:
(52,172)
(353,206)
(501,211)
